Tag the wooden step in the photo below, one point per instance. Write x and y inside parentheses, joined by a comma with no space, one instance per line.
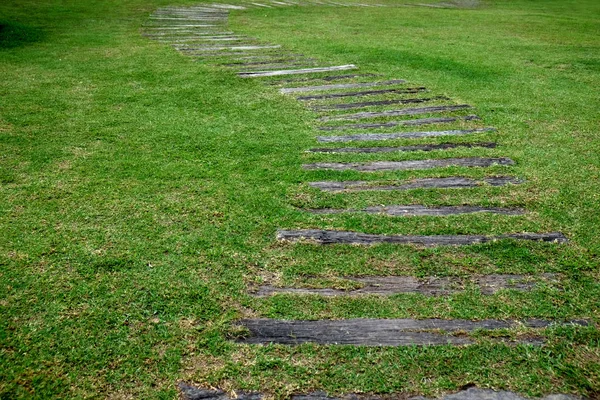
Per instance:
(404,122)
(410,165)
(418,147)
(366,137)
(362,93)
(414,210)
(259,74)
(375,332)
(453,182)
(428,286)
(347,106)
(340,86)
(396,113)
(345,237)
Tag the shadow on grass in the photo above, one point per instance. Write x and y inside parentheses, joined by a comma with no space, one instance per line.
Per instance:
(14,34)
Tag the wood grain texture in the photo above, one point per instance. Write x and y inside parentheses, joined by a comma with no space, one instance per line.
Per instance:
(373,332)
(404,122)
(455,182)
(428,286)
(410,165)
(419,210)
(340,86)
(189,392)
(396,113)
(259,74)
(345,237)
(366,137)
(362,93)
(328,78)
(364,104)
(419,147)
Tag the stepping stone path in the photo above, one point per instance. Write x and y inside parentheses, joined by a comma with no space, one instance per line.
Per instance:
(338,91)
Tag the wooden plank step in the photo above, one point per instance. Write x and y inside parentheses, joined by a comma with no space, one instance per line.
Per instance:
(374,332)
(362,93)
(419,210)
(403,135)
(418,147)
(281,65)
(259,74)
(349,106)
(411,164)
(345,237)
(273,60)
(396,113)
(329,78)
(407,122)
(428,286)
(454,182)
(228,48)
(340,86)
(189,392)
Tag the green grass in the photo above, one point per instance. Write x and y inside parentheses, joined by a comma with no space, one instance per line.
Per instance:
(140,192)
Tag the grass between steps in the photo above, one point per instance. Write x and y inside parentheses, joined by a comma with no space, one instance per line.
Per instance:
(140,192)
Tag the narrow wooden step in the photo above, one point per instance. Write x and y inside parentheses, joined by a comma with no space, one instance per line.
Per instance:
(454,182)
(340,86)
(428,286)
(364,104)
(259,74)
(328,78)
(189,392)
(418,147)
(374,332)
(419,210)
(366,137)
(228,48)
(411,164)
(396,113)
(344,237)
(362,93)
(407,122)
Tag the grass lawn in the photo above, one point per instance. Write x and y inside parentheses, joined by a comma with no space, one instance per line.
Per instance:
(140,192)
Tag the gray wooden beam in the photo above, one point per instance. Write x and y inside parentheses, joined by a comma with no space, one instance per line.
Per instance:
(454,182)
(345,237)
(418,147)
(377,166)
(402,135)
(396,113)
(259,74)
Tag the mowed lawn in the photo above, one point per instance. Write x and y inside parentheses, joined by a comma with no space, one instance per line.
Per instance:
(140,192)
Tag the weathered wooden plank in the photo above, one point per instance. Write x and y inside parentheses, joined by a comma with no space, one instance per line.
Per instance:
(407,122)
(259,74)
(411,164)
(425,183)
(428,286)
(396,113)
(178,27)
(345,237)
(340,86)
(361,94)
(402,135)
(306,64)
(455,182)
(228,48)
(273,60)
(419,210)
(189,392)
(349,106)
(329,78)
(373,332)
(418,147)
